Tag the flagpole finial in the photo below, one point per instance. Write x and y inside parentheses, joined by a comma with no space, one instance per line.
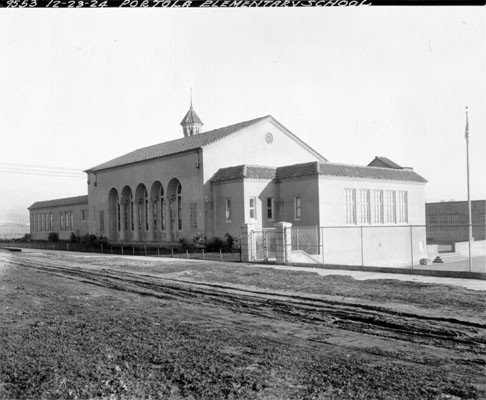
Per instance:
(191,95)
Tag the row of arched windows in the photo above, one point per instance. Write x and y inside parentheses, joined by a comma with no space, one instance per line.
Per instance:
(156,211)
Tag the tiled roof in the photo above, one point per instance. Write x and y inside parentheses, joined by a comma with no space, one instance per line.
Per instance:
(177,145)
(383,162)
(244,171)
(67,201)
(357,171)
(314,169)
(191,118)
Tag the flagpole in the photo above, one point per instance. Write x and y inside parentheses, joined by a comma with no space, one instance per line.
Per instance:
(468,192)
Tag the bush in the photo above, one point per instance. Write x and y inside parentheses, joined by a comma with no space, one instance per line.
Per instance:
(53,237)
(26,238)
(199,241)
(74,238)
(93,241)
(228,243)
(214,245)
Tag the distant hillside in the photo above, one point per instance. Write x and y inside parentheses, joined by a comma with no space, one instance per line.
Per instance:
(10,230)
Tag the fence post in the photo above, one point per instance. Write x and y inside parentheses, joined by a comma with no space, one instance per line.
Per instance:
(187,254)
(283,242)
(92,251)
(220,255)
(203,253)
(67,246)
(321,238)
(122,249)
(53,247)
(102,248)
(133,250)
(145,248)
(411,244)
(158,251)
(362,247)
(172,252)
(247,244)
(111,249)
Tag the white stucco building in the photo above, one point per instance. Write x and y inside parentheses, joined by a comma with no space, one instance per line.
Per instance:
(254,172)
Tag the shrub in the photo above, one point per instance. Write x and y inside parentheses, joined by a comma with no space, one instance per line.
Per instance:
(199,241)
(236,247)
(74,238)
(89,240)
(214,245)
(26,238)
(228,242)
(185,245)
(53,237)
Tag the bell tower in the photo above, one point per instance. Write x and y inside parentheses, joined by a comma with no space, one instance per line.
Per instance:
(191,123)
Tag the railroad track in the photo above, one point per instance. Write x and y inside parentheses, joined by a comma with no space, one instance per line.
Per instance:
(368,319)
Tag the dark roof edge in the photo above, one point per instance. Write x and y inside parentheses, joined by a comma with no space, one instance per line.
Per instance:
(141,161)
(83,199)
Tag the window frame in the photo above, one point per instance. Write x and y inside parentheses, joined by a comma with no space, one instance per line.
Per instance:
(252,209)
(270,209)
(297,208)
(227,209)
(350,194)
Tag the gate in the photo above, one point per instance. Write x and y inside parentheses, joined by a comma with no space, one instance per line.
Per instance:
(263,245)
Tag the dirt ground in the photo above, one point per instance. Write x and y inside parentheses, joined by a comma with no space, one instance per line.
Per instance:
(76,326)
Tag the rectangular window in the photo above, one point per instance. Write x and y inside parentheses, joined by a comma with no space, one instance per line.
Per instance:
(297,208)
(377,206)
(402,206)
(455,222)
(131,216)
(102,222)
(390,210)
(227,209)
(193,216)
(179,212)
(117,216)
(154,205)
(364,206)
(350,201)
(146,214)
(162,214)
(253,214)
(43,222)
(270,208)
(445,223)
(61,219)
(50,221)
(434,222)
(71,220)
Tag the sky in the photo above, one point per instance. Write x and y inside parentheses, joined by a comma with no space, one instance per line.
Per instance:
(80,87)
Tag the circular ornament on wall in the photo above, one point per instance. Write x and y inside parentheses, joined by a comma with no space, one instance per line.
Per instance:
(268,137)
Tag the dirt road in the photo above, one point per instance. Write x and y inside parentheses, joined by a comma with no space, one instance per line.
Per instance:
(323,345)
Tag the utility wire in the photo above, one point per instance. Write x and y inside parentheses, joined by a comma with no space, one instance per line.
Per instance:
(34,166)
(44,173)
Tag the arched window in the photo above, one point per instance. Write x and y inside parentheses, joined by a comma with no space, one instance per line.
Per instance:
(179,206)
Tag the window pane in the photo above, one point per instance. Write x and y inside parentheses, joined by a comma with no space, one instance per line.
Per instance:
(269,208)
(350,195)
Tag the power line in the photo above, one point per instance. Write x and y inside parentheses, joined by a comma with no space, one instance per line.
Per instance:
(39,167)
(44,173)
